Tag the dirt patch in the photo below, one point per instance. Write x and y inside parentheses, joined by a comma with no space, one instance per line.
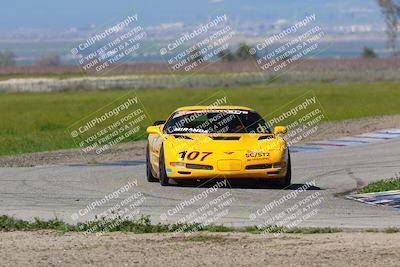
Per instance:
(49,248)
(136,150)
(351,127)
(127,151)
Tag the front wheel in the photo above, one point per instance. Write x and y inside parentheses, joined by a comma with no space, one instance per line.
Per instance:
(164,180)
(287,180)
(149,173)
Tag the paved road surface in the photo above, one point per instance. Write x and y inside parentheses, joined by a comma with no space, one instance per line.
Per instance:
(63,191)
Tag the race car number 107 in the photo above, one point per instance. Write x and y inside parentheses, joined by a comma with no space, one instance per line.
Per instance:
(194,155)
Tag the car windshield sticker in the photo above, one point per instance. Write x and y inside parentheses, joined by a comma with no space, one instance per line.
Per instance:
(226,111)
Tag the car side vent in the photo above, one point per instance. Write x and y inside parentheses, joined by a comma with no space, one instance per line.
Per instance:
(264,137)
(182,137)
(225,137)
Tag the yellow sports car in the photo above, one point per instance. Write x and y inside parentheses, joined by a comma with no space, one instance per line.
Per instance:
(203,142)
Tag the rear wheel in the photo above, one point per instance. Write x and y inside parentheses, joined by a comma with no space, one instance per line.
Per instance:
(164,180)
(287,180)
(149,173)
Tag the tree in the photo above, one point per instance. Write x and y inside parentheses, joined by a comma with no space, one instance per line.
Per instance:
(226,55)
(368,53)
(7,58)
(242,53)
(49,60)
(391,12)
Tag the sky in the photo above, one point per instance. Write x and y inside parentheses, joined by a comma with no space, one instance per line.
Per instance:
(53,14)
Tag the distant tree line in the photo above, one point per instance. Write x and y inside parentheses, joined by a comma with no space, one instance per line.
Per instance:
(241,53)
(7,58)
(368,53)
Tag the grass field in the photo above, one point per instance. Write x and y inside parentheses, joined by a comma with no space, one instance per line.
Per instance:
(144,225)
(31,122)
(383,185)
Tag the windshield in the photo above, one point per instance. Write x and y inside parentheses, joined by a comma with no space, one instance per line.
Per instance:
(216,121)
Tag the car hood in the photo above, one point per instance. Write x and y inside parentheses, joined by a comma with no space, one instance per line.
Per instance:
(225,142)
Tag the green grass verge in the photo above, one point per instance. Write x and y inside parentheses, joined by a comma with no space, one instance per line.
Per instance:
(31,122)
(381,186)
(143,225)
(392,230)
(389,230)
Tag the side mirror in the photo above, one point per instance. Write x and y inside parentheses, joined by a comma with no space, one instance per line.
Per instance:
(280,130)
(158,123)
(154,130)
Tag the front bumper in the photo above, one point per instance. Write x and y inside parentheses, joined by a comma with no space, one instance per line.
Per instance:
(227,170)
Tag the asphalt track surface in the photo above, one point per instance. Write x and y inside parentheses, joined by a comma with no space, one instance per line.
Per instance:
(63,191)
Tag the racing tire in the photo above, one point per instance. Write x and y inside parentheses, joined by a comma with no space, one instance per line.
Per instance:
(287,180)
(149,172)
(164,180)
